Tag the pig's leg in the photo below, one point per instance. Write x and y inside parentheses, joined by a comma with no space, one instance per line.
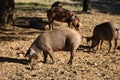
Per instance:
(101,44)
(95,47)
(33,60)
(46,53)
(115,45)
(71,57)
(51,56)
(110,45)
(45,56)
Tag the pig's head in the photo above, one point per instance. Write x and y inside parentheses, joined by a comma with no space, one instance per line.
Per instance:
(31,54)
(88,39)
(76,22)
(95,42)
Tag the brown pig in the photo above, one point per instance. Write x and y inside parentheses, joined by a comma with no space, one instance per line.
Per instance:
(55,40)
(63,15)
(105,31)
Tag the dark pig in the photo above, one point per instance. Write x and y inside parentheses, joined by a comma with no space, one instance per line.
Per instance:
(105,31)
(55,40)
(63,15)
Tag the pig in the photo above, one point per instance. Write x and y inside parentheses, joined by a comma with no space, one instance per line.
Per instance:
(107,31)
(54,40)
(57,4)
(63,15)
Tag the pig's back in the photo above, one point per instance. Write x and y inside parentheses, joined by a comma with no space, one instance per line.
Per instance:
(56,39)
(106,30)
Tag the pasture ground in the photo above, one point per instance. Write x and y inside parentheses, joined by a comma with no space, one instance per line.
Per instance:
(14,43)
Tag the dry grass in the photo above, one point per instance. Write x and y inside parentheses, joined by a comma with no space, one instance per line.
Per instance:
(86,65)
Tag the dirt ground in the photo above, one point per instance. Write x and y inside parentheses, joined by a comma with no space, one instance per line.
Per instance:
(14,43)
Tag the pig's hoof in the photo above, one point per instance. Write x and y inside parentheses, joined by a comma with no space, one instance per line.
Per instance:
(44,62)
(52,62)
(33,67)
(69,63)
(118,47)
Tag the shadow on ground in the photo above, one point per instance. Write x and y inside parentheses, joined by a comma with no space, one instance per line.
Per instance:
(25,24)
(31,22)
(12,34)
(85,48)
(14,60)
